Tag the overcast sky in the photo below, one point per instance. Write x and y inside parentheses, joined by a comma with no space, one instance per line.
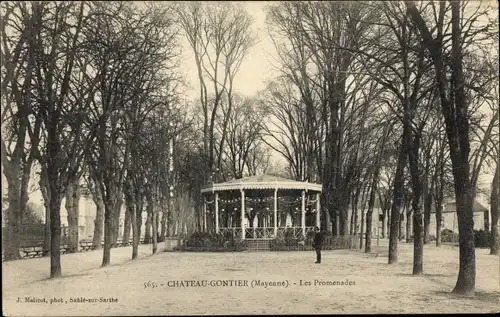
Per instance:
(255,69)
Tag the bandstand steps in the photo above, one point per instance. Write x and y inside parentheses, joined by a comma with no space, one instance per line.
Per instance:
(257,244)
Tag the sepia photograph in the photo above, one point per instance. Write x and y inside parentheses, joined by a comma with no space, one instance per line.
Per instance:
(175,158)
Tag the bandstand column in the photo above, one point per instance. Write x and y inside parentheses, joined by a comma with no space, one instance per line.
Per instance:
(242,220)
(275,215)
(318,205)
(303,209)
(216,212)
(205,214)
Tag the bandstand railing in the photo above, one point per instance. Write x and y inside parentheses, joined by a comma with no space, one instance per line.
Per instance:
(296,231)
(259,233)
(235,231)
(265,232)
(309,230)
(268,232)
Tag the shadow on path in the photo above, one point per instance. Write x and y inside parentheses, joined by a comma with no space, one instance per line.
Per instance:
(58,278)
(488,297)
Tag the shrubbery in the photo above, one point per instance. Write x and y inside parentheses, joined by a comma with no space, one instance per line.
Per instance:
(215,242)
(287,242)
(449,236)
(482,238)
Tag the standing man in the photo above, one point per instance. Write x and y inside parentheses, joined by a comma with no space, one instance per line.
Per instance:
(318,241)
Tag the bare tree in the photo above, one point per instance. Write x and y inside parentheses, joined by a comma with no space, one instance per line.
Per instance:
(220,36)
(401,72)
(310,38)
(20,129)
(454,109)
(132,50)
(243,131)
(61,98)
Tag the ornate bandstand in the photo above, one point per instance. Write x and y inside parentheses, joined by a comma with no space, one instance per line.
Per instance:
(260,207)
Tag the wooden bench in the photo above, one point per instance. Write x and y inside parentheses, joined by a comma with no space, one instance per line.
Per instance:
(86,246)
(64,249)
(32,252)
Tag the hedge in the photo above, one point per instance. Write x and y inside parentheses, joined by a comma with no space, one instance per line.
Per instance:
(287,243)
(482,238)
(213,242)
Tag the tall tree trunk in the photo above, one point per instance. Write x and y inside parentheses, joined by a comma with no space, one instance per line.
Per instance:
(163,224)
(129,212)
(17,173)
(99,220)
(324,210)
(56,192)
(353,212)
(413,145)
(409,224)
(418,239)
(371,202)
(439,215)
(467,270)
(72,202)
(384,225)
(464,190)
(55,232)
(158,219)
(495,192)
(152,220)
(362,229)
(137,222)
(71,220)
(170,217)
(110,193)
(135,231)
(396,204)
(343,214)
(13,238)
(487,220)
(427,215)
(333,219)
(147,229)
(44,189)
(109,214)
(455,113)
(127,225)
(155,231)
(356,212)
(401,221)
(116,221)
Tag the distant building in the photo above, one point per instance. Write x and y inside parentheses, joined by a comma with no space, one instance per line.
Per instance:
(86,219)
(449,218)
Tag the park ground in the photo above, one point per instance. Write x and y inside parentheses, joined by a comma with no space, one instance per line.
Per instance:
(378,287)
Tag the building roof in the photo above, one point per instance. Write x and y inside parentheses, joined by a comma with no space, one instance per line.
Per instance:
(262,182)
(452,207)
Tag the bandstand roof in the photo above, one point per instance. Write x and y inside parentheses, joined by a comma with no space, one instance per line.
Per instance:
(262,182)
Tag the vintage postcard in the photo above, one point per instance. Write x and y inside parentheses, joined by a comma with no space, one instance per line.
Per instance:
(245,157)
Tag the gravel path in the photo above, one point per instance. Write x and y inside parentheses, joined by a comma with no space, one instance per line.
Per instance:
(265,283)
